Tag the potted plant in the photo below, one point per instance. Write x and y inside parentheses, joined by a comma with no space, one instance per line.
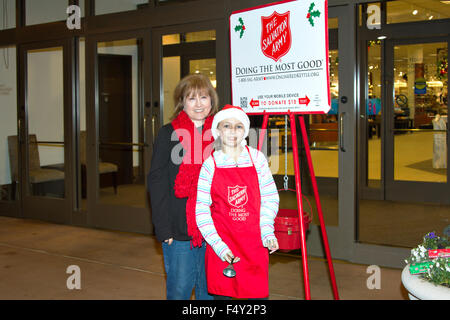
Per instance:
(427,273)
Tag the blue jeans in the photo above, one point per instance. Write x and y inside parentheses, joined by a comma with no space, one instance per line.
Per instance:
(185,269)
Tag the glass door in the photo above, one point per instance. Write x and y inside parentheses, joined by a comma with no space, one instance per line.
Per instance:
(416,119)
(326,152)
(185,53)
(9,178)
(44,143)
(407,144)
(115,133)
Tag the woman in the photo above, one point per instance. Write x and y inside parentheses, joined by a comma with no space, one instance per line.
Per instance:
(178,154)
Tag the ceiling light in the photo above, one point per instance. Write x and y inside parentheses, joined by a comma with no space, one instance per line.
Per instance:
(430,17)
(435,84)
(445,1)
(381,37)
(415,12)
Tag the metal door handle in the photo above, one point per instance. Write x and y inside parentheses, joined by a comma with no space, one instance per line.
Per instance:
(341,131)
(19,130)
(153,127)
(145,129)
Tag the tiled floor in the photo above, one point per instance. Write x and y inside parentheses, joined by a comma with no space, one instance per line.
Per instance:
(34,257)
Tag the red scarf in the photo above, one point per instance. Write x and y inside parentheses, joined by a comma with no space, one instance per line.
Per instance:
(198,147)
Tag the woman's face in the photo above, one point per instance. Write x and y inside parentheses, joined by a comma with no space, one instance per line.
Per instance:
(231,132)
(197,106)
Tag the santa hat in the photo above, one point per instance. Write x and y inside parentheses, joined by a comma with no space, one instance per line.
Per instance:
(227,112)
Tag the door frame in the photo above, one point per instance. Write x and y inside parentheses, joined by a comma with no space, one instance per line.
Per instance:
(341,237)
(35,207)
(117,217)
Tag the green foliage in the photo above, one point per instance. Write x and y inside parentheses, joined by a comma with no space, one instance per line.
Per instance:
(438,271)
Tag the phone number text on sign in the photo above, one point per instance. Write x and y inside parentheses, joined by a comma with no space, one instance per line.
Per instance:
(279,58)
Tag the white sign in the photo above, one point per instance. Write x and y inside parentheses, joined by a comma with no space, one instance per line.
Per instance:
(279,58)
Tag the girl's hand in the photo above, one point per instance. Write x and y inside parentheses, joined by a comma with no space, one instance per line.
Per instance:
(272,245)
(229,256)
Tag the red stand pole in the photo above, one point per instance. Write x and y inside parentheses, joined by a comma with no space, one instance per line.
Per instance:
(319,207)
(300,207)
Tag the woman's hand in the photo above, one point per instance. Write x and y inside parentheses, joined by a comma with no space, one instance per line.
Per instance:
(229,256)
(169,241)
(272,245)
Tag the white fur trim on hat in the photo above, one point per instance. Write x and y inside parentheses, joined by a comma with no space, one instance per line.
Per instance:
(227,112)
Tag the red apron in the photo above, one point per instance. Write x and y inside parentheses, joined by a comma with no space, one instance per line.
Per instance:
(235,209)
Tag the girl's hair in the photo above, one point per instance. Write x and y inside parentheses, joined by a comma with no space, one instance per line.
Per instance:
(194,83)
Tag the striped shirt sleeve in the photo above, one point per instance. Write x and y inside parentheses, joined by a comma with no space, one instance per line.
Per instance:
(203,216)
(269,196)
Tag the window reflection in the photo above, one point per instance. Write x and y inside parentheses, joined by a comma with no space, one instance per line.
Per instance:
(111,6)
(177,38)
(44,11)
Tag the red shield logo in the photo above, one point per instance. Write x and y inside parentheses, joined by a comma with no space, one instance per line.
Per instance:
(276,35)
(237,196)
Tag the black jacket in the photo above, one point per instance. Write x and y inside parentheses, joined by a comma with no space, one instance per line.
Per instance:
(168,211)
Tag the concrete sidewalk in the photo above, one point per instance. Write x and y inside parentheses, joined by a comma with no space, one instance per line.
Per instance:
(35,256)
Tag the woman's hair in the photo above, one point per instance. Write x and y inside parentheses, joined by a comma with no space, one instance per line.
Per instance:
(194,83)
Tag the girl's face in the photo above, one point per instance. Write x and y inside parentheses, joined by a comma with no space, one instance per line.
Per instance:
(197,106)
(231,132)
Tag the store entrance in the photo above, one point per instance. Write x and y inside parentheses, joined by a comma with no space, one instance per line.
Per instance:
(416,121)
(404,185)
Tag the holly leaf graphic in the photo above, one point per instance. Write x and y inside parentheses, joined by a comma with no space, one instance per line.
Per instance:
(315,13)
(240,27)
(312,14)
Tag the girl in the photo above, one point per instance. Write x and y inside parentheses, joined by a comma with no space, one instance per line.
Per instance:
(173,188)
(237,201)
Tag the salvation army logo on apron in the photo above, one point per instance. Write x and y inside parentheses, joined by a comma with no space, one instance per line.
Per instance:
(275,35)
(237,196)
